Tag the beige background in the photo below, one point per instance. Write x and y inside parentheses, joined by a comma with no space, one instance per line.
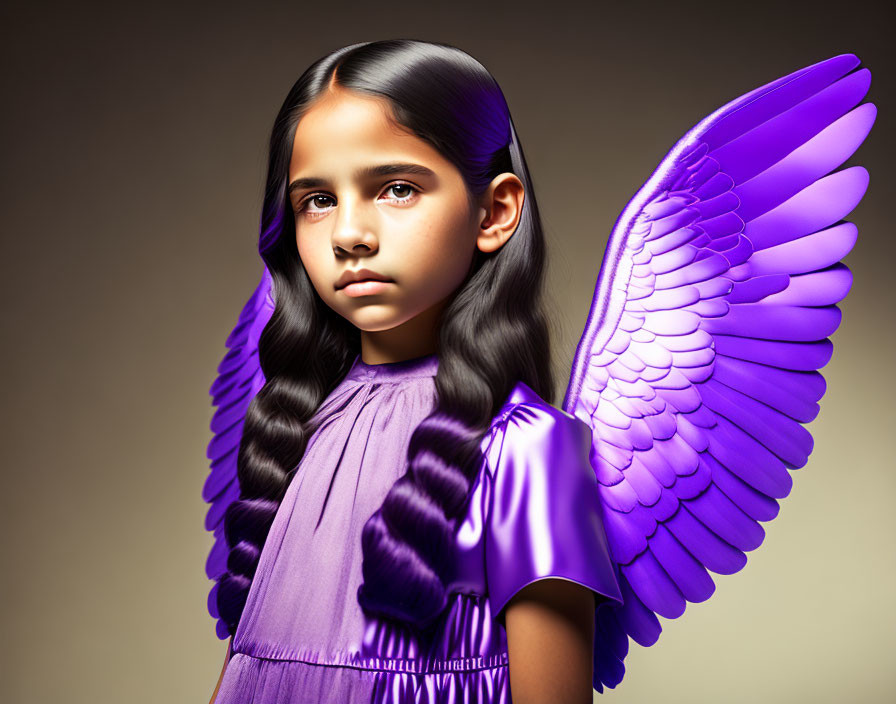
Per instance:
(133,154)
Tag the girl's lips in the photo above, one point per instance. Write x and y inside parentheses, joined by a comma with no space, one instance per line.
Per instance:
(365,288)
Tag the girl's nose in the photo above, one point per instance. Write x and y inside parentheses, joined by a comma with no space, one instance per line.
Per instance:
(353,226)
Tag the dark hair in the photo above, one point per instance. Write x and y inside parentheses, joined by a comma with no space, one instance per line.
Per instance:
(492,334)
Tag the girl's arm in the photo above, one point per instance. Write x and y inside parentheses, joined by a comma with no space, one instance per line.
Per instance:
(226,660)
(550,643)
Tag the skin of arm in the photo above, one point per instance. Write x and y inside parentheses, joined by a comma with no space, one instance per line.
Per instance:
(221,677)
(550,643)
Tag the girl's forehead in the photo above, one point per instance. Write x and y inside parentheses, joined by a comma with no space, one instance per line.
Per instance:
(342,130)
(337,110)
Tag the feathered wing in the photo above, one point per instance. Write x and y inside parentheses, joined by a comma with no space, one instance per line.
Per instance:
(698,365)
(239,380)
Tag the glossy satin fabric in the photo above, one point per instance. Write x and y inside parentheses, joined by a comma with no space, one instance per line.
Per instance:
(533,514)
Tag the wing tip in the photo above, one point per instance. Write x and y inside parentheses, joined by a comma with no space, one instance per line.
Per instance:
(872,108)
(848,60)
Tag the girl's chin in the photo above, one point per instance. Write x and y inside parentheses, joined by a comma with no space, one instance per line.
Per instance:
(377,318)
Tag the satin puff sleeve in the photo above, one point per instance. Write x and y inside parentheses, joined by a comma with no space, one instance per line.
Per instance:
(544,515)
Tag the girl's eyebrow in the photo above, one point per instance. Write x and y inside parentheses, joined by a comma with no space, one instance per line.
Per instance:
(365,173)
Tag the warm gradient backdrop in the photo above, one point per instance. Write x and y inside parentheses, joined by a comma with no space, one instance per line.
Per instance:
(133,155)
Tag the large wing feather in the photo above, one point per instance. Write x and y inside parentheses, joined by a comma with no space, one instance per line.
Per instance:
(711,315)
(239,380)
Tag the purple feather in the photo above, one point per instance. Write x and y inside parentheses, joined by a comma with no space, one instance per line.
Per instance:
(806,164)
(815,207)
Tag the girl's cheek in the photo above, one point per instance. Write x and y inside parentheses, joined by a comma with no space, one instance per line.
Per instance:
(306,253)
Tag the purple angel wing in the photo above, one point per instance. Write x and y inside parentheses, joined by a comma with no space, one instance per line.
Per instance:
(239,379)
(698,365)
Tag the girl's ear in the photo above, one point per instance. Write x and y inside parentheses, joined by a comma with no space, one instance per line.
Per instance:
(501,207)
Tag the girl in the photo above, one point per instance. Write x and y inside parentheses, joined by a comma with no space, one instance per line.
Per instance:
(401,514)
(406,253)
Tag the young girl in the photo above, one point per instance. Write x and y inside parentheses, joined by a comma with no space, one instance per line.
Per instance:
(395,164)
(401,514)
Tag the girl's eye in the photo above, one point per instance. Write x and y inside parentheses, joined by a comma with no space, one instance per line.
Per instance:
(315,201)
(315,205)
(406,187)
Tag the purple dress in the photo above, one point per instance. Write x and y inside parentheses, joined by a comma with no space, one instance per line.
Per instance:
(533,514)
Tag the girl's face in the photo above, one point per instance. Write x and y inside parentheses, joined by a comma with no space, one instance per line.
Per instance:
(367,194)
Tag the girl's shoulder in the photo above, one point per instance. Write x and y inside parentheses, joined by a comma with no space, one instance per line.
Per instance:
(531,426)
(524,403)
